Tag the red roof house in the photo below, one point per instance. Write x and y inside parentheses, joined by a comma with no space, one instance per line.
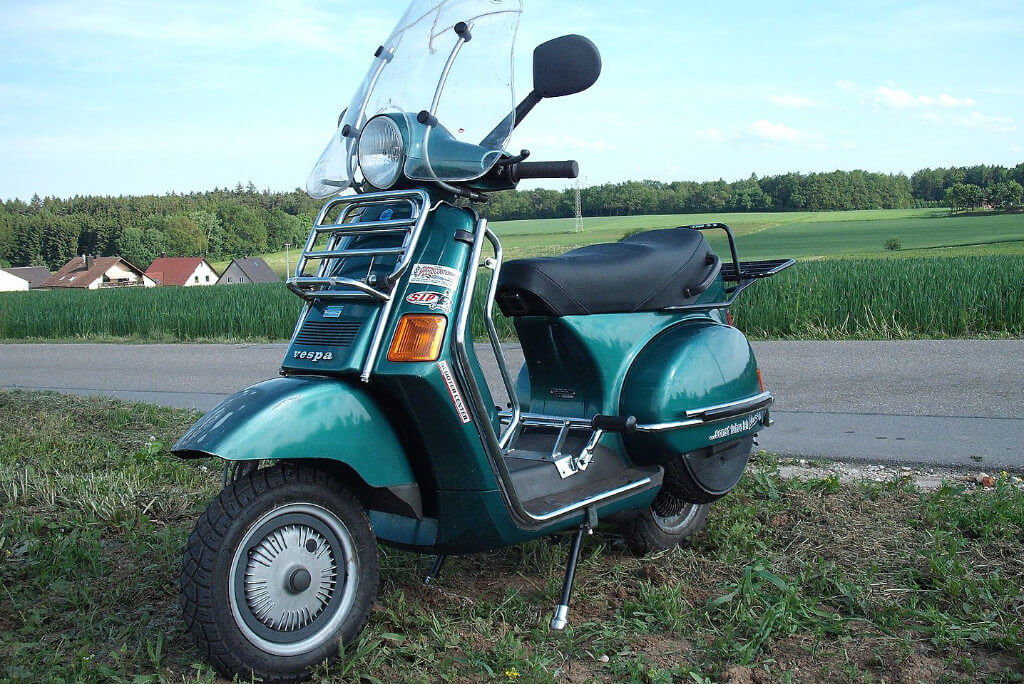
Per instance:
(183,271)
(93,273)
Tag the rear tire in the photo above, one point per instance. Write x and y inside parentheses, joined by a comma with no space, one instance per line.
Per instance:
(667,522)
(280,568)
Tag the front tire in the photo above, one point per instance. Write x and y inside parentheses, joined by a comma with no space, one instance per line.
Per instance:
(280,568)
(667,522)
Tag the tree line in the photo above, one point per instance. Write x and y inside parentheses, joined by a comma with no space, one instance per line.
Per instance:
(219,224)
(243,221)
(838,190)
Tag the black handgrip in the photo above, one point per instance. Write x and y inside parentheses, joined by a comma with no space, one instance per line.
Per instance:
(561,169)
(624,424)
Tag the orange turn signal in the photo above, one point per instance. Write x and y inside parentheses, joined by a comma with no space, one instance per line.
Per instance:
(760,380)
(418,338)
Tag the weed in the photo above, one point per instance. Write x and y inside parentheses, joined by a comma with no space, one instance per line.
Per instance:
(844,582)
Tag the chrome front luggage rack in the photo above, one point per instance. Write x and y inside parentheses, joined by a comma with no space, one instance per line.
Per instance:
(340,231)
(337,236)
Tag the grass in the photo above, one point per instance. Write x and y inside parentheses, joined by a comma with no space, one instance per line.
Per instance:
(904,298)
(935,297)
(809,580)
(952,277)
(792,234)
(258,312)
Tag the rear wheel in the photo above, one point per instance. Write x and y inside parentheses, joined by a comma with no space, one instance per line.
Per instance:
(281,567)
(668,521)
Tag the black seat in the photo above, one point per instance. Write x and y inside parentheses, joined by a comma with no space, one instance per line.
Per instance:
(644,272)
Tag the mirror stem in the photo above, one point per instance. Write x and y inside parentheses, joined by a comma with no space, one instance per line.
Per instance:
(522,109)
(526,106)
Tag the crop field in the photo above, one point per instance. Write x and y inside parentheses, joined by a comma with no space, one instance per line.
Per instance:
(898,298)
(793,580)
(952,277)
(163,314)
(803,234)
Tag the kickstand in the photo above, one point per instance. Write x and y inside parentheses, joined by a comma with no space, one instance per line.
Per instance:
(561,617)
(435,569)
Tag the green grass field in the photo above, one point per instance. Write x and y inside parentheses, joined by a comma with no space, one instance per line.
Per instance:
(799,234)
(954,276)
(164,314)
(793,580)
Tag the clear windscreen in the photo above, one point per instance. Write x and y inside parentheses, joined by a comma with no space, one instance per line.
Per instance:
(472,109)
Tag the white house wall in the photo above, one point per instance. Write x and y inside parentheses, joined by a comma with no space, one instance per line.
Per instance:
(203,275)
(11,283)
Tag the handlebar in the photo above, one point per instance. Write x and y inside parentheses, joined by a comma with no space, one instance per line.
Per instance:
(552,169)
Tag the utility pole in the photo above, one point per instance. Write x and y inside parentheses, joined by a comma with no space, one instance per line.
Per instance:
(578,226)
(287,261)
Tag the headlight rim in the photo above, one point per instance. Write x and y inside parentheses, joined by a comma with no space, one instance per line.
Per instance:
(399,167)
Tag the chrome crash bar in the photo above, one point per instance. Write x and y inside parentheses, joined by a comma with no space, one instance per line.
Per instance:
(492,443)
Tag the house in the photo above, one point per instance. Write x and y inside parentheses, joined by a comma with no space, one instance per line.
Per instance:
(248,270)
(35,275)
(94,273)
(11,283)
(187,271)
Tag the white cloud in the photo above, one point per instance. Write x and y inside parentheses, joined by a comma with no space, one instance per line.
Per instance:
(950,101)
(795,101)
(712,134)
(847,145)
(848,86)
(895,98)
(994,124)
(775,132)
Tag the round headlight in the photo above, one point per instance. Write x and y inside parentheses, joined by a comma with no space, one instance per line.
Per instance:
(381,152)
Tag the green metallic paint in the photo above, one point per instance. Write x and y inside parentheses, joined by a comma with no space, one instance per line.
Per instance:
(477,521)
(449,157)
(301,418)
(576,366)
(690,366)
(452,448)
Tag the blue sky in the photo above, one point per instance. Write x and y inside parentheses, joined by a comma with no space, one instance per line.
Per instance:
(130,97)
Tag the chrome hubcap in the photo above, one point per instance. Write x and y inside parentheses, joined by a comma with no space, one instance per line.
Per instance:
(293,579)
(290,577)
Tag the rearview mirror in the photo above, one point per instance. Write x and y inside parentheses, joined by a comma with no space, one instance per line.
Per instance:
(564,66)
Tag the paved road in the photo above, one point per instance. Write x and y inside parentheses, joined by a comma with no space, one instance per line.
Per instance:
(932,402)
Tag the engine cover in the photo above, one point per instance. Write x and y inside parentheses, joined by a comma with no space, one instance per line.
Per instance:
(695,365)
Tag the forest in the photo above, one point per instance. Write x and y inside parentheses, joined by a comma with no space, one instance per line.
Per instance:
(243,221)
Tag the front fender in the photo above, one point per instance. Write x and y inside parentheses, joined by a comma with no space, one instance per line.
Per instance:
(304,417)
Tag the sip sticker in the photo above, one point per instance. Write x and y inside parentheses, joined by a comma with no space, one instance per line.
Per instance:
(432,274)
(453,390)
(333,311)
(436,301)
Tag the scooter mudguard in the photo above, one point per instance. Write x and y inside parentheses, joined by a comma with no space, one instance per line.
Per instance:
(308,417)
(698,364)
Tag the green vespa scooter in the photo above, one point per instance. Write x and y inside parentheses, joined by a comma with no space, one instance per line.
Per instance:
(638,404)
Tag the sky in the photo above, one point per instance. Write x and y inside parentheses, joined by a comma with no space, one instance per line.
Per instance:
(119,97)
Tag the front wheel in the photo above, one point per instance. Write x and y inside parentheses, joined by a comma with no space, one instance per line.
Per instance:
(668,521)
(280,568)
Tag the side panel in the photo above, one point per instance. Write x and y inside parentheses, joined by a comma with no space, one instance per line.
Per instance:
(300,418)
(691,366)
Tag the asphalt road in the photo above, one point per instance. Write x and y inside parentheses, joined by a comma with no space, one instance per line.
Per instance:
(948,402)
